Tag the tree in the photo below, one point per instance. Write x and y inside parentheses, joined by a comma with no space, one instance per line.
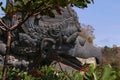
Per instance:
(87,33)
(42,7)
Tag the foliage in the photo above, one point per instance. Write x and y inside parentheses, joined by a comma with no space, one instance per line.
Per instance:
(43,7)
(102,73)
(16,74)
(50,73)
(105,73)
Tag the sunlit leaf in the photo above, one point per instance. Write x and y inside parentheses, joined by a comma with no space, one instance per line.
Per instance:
(18,4)
(106,72)
(25,1)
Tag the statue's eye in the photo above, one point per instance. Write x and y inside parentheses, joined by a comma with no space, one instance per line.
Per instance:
(53,33)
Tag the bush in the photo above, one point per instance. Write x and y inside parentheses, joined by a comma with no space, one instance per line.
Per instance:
(50,73)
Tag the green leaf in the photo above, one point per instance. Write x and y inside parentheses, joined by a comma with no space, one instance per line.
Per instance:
(3,9)
(18,3)
(106,72)
(88,1)
(1,3)
(25,1)
(95,76)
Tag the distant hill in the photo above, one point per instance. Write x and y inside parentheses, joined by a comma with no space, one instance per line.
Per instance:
(111,55)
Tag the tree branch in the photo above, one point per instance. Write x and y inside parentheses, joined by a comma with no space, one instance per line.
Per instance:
(3,24)
(28,16)
(15,25)
(2,28)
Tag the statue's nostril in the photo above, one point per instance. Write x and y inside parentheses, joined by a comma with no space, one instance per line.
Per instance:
(82,43)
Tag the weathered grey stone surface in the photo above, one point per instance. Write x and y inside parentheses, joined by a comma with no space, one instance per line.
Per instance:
(43,35)
(86,51)
(2,52)
(40,36)
(2,48)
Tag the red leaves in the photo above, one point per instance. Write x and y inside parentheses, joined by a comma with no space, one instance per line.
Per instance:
(58,10)
(81,69)
(18,77)
(36,73)
(33,72)
(84,69)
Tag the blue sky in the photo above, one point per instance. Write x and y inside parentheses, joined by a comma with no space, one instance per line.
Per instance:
(104,16)
(1,13)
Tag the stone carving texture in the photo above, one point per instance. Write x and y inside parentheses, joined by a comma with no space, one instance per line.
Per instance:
(42,37)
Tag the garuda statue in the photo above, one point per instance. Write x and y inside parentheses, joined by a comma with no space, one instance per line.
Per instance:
(42,39)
